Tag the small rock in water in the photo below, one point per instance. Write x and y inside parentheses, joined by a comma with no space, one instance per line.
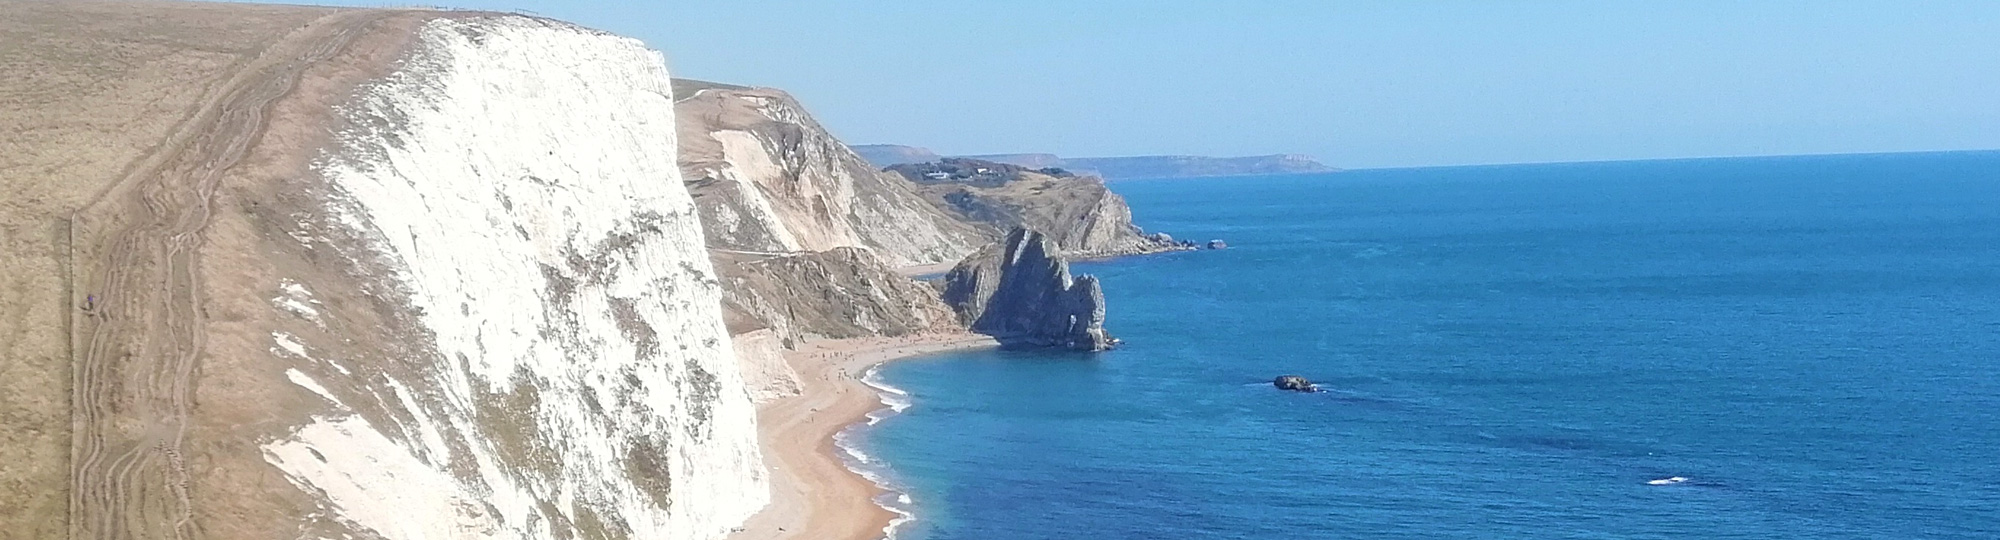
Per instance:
(1294,383)
(1217,244)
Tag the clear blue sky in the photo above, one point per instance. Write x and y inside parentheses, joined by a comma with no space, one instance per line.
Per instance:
(1357,84)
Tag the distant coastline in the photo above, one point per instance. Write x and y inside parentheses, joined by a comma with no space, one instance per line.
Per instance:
(1831,155)
(1113,168)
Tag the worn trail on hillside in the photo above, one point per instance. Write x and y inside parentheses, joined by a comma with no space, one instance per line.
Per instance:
(135,369)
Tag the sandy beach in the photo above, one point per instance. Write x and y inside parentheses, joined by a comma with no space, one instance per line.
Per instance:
(813,494)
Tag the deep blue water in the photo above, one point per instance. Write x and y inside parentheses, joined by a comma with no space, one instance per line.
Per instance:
(1513,351)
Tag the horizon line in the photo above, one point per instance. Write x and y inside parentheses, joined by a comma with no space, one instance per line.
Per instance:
(1685,158)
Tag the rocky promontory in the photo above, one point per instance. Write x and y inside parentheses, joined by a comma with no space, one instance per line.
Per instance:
(1079,213)
(1115,168)
(1020,291)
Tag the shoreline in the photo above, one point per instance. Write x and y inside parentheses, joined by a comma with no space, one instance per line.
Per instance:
(816,490)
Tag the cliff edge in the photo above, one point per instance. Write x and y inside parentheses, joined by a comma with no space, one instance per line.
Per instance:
(343,273)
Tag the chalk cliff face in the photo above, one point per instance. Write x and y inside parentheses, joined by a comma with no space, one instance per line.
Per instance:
(761,352)
(509,194)
(1079,213)
(768,178)
(1020,291)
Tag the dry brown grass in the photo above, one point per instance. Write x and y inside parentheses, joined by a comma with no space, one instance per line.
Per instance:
(89,89)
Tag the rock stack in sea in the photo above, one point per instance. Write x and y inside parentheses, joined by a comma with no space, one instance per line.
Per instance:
(1294,383)
(1020,291)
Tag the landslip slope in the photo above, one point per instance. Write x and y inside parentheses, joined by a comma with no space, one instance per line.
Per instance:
(808,237)
(770,179)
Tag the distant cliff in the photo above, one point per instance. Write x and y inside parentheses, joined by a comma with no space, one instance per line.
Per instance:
(1020,291)
(1116,168)
(1078,213)
(768,178)
(1189,166)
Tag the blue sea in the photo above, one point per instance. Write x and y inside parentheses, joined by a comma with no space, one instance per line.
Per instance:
(1509,352)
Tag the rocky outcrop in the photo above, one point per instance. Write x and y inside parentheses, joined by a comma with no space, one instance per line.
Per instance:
(768,179)
(1020,291)
(1294,383)
(1079,213)
(837,293)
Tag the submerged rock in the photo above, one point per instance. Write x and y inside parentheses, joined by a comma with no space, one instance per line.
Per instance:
(1217,244)
(1294,383)
(1020,292)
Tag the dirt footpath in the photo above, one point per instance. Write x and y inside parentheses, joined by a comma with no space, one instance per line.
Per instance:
(139,344)
(92,87)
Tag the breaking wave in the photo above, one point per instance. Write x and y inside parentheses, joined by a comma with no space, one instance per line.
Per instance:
(895,498)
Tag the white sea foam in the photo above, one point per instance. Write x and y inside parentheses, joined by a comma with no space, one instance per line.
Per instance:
(896,498)
(895,398)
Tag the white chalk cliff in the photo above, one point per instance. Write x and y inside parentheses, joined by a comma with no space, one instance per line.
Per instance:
(514,180)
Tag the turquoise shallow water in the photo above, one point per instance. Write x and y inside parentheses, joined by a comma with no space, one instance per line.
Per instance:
(1513,352)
